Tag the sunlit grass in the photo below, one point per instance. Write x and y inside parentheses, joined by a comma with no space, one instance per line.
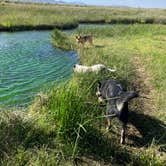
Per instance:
(20,16)
(67,124)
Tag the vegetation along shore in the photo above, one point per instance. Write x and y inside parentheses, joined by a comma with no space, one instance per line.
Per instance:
(65,125)
(28,16)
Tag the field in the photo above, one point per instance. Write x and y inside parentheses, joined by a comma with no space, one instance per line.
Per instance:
(66,126)
(19,16)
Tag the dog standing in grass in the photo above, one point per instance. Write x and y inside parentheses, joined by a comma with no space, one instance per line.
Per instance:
(94,68)
(117,102)
(84,39)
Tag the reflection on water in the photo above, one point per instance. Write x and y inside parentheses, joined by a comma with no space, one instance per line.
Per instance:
(29,64)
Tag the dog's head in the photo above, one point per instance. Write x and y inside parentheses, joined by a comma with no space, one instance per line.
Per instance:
(78,38)
(75,67)
(99,94)
(114,90)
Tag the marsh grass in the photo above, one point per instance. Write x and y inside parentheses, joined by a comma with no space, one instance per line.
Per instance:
(117,46)
(66,126)
(61,40)
(28,16)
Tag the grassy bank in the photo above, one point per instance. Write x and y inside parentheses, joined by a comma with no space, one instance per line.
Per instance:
(61,40)
(21,16)
(66,125)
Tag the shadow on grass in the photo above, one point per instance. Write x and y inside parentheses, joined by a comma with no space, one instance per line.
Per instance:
(103,148)
(98,147)
(18,131)
(99,46)
(94,145)
(149,127)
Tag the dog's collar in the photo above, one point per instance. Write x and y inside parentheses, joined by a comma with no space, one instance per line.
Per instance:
(99,95)
(112,102)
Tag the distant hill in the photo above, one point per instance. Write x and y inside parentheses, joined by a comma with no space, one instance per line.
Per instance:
(120,6)
(62,2)
(73,3)
(54,2)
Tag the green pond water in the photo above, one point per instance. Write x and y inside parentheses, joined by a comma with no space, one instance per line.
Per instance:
(30,64)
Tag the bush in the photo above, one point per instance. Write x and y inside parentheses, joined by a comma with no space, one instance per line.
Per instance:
(61,40)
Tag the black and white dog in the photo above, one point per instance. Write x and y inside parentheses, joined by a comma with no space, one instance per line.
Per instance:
(117,102)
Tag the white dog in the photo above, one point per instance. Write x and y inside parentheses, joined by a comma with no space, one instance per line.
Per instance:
(95,68)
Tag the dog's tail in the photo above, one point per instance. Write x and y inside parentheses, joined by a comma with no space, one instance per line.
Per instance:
(111,70)
(127,96)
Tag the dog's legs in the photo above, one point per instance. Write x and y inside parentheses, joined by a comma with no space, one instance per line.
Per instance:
(109,115)
(91,42)
(108,123)
(123,134)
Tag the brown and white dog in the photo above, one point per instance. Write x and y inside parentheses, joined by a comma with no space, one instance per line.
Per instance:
(84,39)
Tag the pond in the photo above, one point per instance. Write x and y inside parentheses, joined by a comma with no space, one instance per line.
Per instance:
(30,64)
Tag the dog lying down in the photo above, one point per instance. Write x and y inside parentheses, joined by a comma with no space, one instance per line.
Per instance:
(117,102)
(95,68)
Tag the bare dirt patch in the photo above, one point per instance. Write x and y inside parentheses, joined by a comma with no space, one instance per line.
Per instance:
(144,126)
(144,85)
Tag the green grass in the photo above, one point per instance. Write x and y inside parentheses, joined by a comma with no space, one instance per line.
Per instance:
(67,126)
(27,16)
(61,40)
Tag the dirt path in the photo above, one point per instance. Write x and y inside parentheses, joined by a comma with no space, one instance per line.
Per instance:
(144,126)
(143,83)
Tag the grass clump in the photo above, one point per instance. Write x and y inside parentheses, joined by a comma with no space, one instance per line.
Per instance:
(61,40)
(71,114)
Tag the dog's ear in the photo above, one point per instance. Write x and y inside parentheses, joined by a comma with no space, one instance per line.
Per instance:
(99,84)
(137,92)
(77,36)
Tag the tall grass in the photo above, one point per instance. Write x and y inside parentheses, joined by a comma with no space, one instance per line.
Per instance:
(21,16)
(70,110)
(118,46)
(121,43)
(67,125)
(61,40)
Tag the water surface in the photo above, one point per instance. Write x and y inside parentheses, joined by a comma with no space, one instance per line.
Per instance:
(29,64)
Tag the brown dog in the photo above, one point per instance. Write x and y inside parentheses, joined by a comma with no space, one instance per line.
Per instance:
(83,39)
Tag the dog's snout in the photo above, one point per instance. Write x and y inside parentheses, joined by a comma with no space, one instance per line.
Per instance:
(74,66)
(98,94)
(100,100)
